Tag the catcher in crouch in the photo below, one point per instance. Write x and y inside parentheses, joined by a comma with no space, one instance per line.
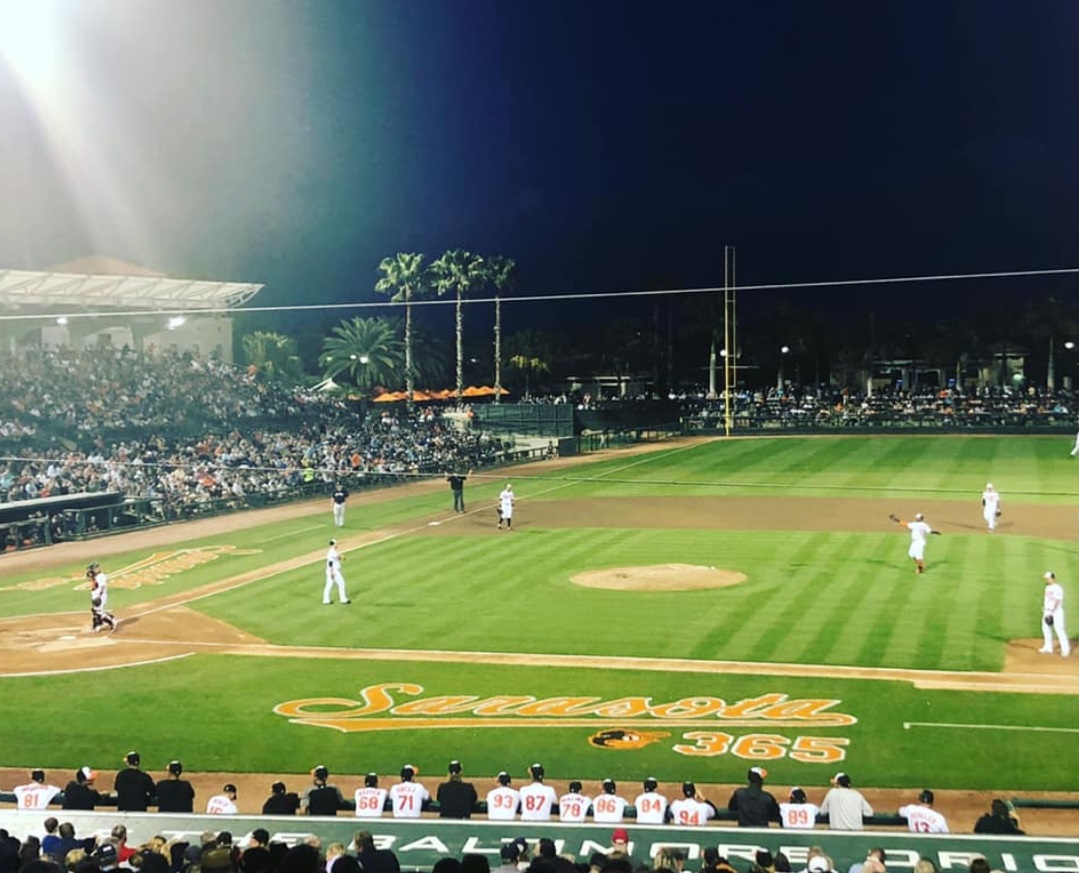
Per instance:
(99,598)
(919,530)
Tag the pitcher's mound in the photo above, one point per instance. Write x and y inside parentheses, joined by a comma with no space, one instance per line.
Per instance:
(659,577)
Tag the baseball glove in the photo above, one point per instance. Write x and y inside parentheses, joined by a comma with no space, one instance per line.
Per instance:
(1048,621)
(935,533)
(893,517)
(95,602)
(998,513)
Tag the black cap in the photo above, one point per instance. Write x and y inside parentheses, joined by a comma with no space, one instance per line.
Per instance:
(133,758)
(407,772)
(37,775)
(278,788)
(229,788)
(575,787)
(455,766)
(509,852)
(609,786)
(926,796)
(176,768)
(650,784)
(370,780)
(688,789)
(536,770)
(503,778)
(321,773)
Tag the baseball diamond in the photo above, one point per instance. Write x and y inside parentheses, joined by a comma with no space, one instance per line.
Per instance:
(820,650)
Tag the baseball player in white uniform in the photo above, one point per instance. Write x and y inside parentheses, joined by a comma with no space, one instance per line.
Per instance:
(223,803)
(35,794)
(608,807)
(99,599)
(691,810)
(922,818)
(574,806)
(799,813)
(334,576)
(370,800)
(408,797)
(505,507)
(503,800)
(651,806)
(919,531)
(990,506)
(1053,617)
(1075,448)
(537,798)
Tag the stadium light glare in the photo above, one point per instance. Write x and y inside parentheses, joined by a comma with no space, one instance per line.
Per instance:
(29,40)
(175,322)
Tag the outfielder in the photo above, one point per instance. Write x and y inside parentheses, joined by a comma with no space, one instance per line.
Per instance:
(919,530)
(337,499)
(505,507)
(1053,617)
(990,506)
(99,598)
(1075,449)
(334,576)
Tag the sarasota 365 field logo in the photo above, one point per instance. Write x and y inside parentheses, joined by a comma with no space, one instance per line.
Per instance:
(620,723)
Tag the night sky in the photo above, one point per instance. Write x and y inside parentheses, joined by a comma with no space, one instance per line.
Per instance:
(605,146)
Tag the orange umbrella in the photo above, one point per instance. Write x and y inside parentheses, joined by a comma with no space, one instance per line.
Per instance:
(472,391)
(388,397)
(419,396)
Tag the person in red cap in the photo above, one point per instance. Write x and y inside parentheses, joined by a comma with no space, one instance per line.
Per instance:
(619,843)
(755,806)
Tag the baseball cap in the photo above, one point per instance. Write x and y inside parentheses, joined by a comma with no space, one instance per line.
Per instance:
(689,789)
(278,788)
(176,768)
(621,835)
(650,784)
(841,779)
(575,787)
(503,778)
(536,770)
(509,852)
(320,772)
(133,758)
(759,771)
(797,795)
(609,786)
(918,516)
(333,542)
(37,775)
(229,788)
(926,796)
(85,774)
(455,766)
(408,771)
(106,855)
(1049,576)
(818,864)
(370,780)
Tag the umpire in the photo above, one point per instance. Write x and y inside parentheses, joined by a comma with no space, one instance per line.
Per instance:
(456,798)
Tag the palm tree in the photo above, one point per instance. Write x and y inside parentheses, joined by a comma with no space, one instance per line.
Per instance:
(502,273)
(462,272)
(273,355)
(404,280)
(367,350)
(526,365)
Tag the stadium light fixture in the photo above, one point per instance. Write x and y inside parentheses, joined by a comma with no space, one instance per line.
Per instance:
(175,322)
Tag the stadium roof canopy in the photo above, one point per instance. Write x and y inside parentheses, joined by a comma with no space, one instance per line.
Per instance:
(106,284)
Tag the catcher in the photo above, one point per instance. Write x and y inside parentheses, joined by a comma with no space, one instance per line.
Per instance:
(99,597)
(919,531)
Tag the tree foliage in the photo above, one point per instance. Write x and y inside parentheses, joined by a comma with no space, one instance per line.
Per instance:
(363,352)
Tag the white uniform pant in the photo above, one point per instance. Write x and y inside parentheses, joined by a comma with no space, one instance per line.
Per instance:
(334,578)
(990,516)
(1061,632)
(339,514)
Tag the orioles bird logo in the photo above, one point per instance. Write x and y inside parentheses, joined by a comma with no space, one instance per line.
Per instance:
(617,739)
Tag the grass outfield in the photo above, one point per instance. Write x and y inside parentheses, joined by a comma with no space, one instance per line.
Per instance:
(839,598)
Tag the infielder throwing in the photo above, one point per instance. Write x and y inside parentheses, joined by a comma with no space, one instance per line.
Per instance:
(1053,617)
(919,530)
(990,506)
(505,507)
(99,598)
(334,576)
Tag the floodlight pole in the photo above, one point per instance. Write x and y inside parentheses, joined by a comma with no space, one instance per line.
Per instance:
(730,336)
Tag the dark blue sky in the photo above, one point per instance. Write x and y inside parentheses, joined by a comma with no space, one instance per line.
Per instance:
(603,145)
